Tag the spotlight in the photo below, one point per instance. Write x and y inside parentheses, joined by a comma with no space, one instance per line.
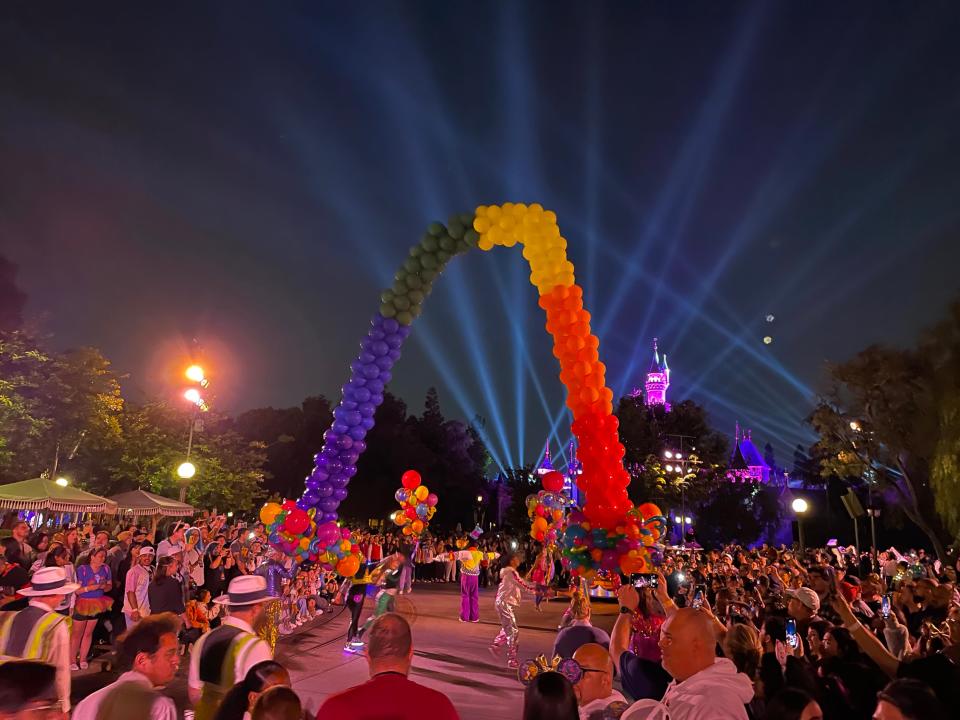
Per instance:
(677,519)
(668,454)
(767,340)
(669,468)
(193,395)
(799,506)
(186,470)
(195,374)
(62,481)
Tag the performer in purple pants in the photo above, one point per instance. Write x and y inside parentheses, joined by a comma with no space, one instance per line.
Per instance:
(470,560)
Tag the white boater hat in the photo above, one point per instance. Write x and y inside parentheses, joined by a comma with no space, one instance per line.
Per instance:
(245,590)
(49,581)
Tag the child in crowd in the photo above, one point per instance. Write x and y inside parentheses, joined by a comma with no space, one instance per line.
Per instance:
(509,593)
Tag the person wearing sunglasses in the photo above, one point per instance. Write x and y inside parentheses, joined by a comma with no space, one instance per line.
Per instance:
(595,690)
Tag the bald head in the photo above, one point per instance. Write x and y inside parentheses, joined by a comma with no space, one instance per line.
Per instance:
(597,679)
(688,643)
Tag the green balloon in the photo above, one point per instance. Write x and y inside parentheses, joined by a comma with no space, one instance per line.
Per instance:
(428,277)
(443,257)
(415,310)
(471,237)
(447,243)
(388,310)
(415,297)
(412,265)
(415,251)
(436,229)
(404,318)
(429,245)
(467,219)
(413,282)
(401,303)
(455,228)
(386,296)
(428,261)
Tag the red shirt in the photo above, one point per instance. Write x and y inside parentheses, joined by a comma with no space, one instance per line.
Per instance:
(388,696)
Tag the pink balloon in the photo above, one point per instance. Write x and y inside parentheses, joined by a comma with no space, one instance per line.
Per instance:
(345,533)
(432,500)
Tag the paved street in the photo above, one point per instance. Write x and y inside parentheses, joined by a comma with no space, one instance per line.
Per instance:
(451,656)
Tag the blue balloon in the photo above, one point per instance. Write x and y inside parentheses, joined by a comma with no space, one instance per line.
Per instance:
(367,409)
(385,377)
(324,490)
(341,428)
(384,363)
(375,386)
(349,471)
(379,348)
(377,399)
(311,482)
(328,505)
(348,404)
(328,517)
(320,474)
(334,467)
(340,494)
(376,334)
(358,432)
(423,510)
(338,481)
(371,371)
(356,367)
(362,395)
(394,341)
(366,357)
(367,423)
(390,325)
(401,495)
(360,445)
(394,355)
(349,457)
(345,442)
(329,452)
(352,418)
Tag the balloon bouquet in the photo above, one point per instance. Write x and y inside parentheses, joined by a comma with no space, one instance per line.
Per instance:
(417,505)
(296,532)
(589,550)
(546,510)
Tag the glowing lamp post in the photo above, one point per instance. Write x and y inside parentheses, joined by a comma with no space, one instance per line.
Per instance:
(187,469)
(800,507)
(62,481)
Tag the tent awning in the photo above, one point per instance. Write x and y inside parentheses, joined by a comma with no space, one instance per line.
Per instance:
(141,503)
(45,494)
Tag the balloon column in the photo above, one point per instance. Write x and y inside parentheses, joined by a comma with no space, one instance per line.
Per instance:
(603,480)
(546,509)
(417,504)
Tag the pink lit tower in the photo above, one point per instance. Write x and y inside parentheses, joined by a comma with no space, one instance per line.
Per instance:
(658,380)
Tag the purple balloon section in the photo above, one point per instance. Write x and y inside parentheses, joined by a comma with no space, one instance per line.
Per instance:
(343,443)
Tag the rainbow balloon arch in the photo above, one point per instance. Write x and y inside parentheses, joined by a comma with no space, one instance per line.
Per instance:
(609,533)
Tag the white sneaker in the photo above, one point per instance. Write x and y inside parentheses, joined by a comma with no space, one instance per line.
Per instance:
(74,666)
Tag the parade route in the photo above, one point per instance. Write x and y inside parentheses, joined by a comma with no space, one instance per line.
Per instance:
(450,656)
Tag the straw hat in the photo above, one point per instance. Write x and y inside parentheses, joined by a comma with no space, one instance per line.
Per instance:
(49,581)
(245,590)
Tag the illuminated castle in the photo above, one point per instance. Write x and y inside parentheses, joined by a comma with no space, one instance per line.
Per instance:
(658,380)
(746,463)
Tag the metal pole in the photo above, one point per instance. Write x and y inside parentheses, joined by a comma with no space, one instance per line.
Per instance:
(183,483)
(856,537)
(873,530)
(800,531)
(683,515)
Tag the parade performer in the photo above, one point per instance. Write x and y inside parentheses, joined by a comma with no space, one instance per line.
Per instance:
(274,571)
(541,573)
(222,657)
(470,560)
(508,598)
(353,592)
(387,576)
(38,632)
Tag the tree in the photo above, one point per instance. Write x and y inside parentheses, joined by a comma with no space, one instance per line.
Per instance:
(743,513)
(51,403)
(519,482)
(892,416)
(647,432)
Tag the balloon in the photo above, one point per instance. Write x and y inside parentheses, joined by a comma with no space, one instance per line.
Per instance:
(348,566)
(410,479)
(401,495)
(296,521)
(269,512)
(421,493)
(432,500)
(288,505)
(422,511)
(553,482)
(417,527)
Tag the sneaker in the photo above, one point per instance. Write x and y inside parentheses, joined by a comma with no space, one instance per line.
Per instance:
(475,621)
(74,666)
(84,665)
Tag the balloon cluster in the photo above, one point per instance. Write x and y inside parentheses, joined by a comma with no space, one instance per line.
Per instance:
(546,509)
(294,531)
(417,504)
(604,480)
(589,549)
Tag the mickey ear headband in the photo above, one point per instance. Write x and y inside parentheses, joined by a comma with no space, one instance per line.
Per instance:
(569,668)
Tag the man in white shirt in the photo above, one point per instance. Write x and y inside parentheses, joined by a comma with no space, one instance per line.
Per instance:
(136,601)
(594,690)
(150,650)
(38,632)
(222,657)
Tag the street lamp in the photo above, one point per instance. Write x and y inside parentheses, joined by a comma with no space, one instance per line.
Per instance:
(193,395)
(62,481)
(195,374)
(185,471)
(800,507)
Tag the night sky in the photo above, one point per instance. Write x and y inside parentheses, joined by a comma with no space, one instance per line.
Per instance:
(251,174)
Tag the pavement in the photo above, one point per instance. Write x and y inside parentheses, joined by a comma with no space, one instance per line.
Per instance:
(449,656)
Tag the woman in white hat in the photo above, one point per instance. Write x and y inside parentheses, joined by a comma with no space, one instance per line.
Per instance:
(38,632)
(222,657)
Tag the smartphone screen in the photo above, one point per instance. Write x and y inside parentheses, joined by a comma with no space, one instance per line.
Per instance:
(645,580)
(885,606)
(792,638)
(697,599)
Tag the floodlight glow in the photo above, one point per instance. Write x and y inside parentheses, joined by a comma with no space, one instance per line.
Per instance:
(195,374)
(668,454)
(677,519)
(186,470)
(669,468)
(799,506)
(62,481)
(193,395)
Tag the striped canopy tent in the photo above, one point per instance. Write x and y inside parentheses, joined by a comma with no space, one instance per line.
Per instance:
(44,494)
(141,503)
